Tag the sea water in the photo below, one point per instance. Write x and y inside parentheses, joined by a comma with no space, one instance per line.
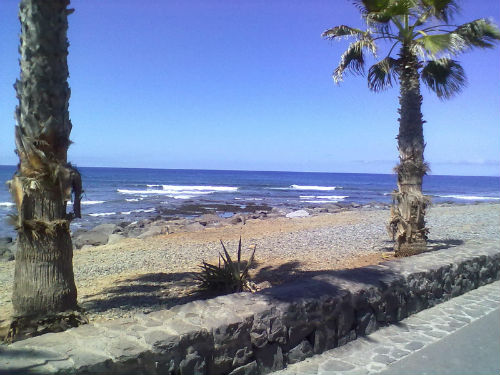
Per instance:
(126,194)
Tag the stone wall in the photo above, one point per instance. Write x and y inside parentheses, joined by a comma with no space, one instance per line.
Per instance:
(257,333)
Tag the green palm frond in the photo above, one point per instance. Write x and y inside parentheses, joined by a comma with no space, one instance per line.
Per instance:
(382,74)
(435,44)
(442,9)
(392,9)
(343,31)
(479,33)
(353,59)
(368,6)
(445,77)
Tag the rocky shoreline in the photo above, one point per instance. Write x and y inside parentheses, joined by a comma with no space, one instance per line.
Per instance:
(165,223)
(211,217)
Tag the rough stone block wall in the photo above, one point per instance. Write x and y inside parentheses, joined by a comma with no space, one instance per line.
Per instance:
(258,333)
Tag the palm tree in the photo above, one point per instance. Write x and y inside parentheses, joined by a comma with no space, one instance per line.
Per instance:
(426,41)
(44,295)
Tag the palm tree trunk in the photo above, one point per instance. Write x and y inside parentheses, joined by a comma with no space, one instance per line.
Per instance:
(44,295)
(408,212)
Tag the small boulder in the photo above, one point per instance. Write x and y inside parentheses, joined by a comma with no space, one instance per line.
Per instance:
(114,238)
(332,208)
(98,235)
(237,219)
(300,352)
(107,228)
(6,254)
(5,240)
(298,213)
(209,219)
(90,238)
(7,249)
(153,231)
(193,227)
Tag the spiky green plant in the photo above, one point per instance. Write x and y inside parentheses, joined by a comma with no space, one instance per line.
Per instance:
(228,276)
(425,40)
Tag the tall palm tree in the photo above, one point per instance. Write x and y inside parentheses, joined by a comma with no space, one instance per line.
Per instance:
(44,295)
(425,40)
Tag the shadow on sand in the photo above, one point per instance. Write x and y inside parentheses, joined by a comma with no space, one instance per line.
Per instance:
(155,291)
(147,292)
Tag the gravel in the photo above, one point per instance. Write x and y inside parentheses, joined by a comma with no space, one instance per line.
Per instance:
(135,275)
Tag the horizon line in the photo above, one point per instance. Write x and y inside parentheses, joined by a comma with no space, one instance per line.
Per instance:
(254,170)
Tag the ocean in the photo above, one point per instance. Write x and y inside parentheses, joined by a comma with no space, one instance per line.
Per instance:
(126,194)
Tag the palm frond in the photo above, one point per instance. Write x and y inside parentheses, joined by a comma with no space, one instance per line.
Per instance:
(368,6)
(342,31)
(382,74)
(480,33)
(435,44)
(392,9)
(443,10)
(445,77)
(353,59)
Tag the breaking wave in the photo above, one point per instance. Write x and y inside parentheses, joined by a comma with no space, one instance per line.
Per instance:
(179,191)
(469,197)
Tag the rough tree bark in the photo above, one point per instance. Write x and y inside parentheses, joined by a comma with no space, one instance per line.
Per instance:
(407,222)
(44,294)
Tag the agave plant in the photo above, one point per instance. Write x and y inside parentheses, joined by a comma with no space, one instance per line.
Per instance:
(228,276)
(422,42)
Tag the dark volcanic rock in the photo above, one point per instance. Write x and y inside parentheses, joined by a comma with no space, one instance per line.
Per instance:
(98,235)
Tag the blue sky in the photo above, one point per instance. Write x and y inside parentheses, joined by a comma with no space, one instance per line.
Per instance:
(245,84)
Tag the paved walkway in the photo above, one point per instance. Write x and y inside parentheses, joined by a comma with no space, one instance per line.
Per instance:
(461,336)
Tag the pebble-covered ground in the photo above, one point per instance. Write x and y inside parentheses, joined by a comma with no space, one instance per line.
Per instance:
(155,273)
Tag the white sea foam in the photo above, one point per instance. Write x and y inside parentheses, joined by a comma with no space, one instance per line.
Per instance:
(178,191)
(6,204)
(199,188)
(313,187)
(248,199)
(325,198)
(86,203)
(138,210)
(92,202)
(318,201)
(132,199)
(181,196)
(469,197)
(103,214)
(169,193)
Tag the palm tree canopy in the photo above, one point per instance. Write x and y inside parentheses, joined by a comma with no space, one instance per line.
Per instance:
(423,28)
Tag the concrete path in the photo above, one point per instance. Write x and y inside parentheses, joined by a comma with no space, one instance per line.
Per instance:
(461,336)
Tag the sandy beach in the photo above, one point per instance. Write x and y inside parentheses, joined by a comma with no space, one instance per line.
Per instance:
(143,275)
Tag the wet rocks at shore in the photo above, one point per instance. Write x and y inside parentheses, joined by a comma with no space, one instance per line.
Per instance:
(7,248)
(164,224)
